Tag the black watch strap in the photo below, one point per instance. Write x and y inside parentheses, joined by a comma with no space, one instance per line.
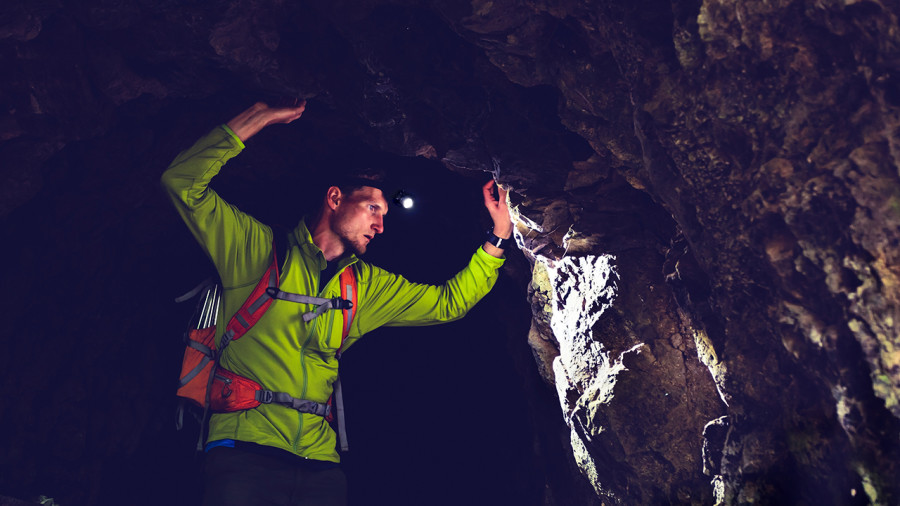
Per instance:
(496,241)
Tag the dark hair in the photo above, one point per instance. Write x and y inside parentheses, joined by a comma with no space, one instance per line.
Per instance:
(348,180)
(355,179)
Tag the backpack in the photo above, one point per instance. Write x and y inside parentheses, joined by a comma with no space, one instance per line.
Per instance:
(207,385)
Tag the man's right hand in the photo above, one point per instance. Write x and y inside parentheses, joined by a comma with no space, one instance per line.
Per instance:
(260,115)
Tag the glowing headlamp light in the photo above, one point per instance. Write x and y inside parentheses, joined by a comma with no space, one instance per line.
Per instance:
(404,199)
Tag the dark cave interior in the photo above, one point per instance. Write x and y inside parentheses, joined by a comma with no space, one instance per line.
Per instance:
(701,308)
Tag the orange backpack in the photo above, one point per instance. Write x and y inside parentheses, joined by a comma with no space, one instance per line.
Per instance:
(204,383)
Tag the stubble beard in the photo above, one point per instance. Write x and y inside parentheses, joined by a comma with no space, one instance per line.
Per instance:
(349,245)
(355,247)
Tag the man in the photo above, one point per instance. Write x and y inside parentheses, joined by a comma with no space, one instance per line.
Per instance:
(273,454)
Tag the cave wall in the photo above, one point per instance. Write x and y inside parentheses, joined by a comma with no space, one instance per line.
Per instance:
(768,133)
(706,198)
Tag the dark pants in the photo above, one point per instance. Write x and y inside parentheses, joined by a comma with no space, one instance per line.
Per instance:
(235,477)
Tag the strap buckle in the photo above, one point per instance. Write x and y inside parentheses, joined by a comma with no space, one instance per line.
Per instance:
(339,303)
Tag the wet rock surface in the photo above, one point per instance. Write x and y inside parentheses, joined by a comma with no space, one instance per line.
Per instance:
(706,195)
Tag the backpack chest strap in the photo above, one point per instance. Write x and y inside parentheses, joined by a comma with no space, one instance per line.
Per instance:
(321,304)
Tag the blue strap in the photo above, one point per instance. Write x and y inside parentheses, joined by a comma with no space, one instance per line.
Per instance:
(229,443)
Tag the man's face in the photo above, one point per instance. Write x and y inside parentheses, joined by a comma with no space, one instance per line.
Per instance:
(359,217)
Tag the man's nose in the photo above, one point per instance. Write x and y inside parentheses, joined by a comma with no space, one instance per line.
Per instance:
(378,225)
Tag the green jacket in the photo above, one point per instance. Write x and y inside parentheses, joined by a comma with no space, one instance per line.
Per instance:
(282,352)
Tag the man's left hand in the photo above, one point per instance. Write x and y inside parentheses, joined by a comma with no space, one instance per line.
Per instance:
(499,211)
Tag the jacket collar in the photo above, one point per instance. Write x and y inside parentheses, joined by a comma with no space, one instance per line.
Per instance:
(309,248)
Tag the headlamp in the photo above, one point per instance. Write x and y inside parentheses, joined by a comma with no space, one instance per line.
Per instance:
(404,199)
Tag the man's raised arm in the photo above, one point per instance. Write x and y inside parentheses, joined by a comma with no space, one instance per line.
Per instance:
(222,230)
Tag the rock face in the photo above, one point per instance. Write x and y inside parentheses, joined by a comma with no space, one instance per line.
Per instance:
(706,193)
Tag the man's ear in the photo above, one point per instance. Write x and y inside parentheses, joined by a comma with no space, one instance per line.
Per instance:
(333,197)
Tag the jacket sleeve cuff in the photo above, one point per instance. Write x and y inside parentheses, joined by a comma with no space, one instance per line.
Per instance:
(489,259)
(237,139)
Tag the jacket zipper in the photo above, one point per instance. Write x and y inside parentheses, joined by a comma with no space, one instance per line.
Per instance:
(305,382)
(312,332)
(309,336)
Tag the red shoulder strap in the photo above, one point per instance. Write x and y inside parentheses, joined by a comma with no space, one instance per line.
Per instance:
(256,304)
(348,287)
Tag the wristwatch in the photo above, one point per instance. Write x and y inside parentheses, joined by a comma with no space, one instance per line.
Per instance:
(496,241)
